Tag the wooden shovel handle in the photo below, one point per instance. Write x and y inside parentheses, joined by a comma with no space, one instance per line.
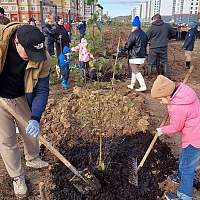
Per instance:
(162,124)
(117,53)
(42,139)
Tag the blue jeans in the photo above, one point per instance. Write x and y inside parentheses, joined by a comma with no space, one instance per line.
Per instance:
(188,162)
(64,71)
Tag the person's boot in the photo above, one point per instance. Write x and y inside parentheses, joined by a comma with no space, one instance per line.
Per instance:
(65,84)
(171,196)
(149,70)
(20,188)
(175,179)
(133,79)
(141,81)
(37,163)
(187,64)
(166,70)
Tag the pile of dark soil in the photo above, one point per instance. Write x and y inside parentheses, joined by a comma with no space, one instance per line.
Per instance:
(115,185)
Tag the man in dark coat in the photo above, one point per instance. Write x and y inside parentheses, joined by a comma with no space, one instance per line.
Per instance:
(3,19)
(188,45)
(49,36)
(158,35)
(62,36)
(82,29)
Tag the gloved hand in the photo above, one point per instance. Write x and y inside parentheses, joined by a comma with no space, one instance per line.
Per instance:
(33,128)
(118,51)
(159,132)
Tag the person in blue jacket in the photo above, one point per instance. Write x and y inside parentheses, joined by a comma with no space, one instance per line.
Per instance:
(64,61)
(188,45)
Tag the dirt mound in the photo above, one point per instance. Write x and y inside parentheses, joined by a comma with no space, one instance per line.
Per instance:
(89,111)
(74,122)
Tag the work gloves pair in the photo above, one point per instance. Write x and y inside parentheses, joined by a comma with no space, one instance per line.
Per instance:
(33,128)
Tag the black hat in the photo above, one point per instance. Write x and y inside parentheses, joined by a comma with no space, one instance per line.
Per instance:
(32,39)
(157,17)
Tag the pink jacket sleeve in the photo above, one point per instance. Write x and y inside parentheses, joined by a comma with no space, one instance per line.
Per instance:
(91,56)
(177,121)
(75,48)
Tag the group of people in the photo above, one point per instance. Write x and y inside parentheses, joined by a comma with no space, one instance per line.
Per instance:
(61,37)
(157,37)
(24,88)
(182,101)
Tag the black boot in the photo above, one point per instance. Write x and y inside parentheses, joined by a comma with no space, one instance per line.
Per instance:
(149,70)
(166,70)
(187,64)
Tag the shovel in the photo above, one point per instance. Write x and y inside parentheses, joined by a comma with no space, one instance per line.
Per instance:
(134,178)
(84,181)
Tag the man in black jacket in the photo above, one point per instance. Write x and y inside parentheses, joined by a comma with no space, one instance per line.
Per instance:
(188,45)
(49,36)
(61,35)
(158,35)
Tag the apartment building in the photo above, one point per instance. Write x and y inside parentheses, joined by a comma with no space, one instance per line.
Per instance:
(186,11)
(147,9)
(155,5)
(178,11)
(22,10)
(144,11)
(166,10)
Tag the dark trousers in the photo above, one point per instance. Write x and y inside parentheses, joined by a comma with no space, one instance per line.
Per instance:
(157,57)
(86,72)
(82,36)
(160,53)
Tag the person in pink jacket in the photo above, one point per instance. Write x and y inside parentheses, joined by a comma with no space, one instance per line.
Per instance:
(84,57)
(184,113)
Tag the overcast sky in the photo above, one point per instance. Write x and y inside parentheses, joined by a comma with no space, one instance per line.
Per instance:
(118,7)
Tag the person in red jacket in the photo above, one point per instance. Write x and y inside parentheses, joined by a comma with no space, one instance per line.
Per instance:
(184,113)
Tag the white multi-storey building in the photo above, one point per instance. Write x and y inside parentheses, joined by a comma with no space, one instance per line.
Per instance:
(155,4)
(138,11)
(170,10)
(144,7)
(166,7)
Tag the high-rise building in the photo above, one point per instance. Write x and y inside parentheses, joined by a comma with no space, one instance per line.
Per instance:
(166,10)
(178,11)
(155,5)
(144,7)
(138,11)
(186,11)
(22,10)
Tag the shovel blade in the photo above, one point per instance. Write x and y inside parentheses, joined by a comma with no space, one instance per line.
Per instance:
(86,183)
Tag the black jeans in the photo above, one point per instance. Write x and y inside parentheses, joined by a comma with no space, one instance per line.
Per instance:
(86,72)
(160,53)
